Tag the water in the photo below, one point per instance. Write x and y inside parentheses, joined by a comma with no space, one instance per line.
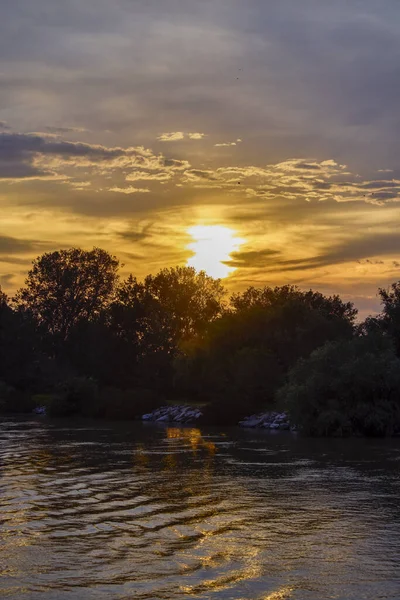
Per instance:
(134,511)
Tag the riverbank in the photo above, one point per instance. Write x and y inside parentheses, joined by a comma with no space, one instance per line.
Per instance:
(182,414)
(188,414)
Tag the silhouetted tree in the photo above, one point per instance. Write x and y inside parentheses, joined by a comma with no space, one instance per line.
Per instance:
(22,362)
(191,299)
(331,307)
(389,319)
(249,349)
(134,341)
(67,286)
(153,318)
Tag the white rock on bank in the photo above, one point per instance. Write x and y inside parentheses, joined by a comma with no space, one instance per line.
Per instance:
(270,420)
(173,414)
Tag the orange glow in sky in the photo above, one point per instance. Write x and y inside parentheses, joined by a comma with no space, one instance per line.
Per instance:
(213,246)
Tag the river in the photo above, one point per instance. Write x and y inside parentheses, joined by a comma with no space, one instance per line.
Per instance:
(93,510)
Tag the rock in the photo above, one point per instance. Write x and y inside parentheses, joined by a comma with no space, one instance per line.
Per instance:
(251,422)
(269,420)
(173,414)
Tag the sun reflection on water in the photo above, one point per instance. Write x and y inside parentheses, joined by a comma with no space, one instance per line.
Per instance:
(193,436)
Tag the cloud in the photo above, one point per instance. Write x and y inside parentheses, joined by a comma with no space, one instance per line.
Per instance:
(80,165)
(64,130)
(223,144)
(227,144)
(176,136)
(196,136)
(253,259)
(4,126)
(137,233)
(19,246)
(33,156)
(352,250)
(318,90)
(150,176)
(171,137)
(129,190)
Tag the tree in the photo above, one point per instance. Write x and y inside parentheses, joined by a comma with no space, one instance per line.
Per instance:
(389,320)
(191,299)
(246,353)
(330,306)
(346,387)
(22,363)
(138,317)
(154,318)
(68,286)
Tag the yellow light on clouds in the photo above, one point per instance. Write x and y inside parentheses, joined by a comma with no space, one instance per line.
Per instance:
(212,246)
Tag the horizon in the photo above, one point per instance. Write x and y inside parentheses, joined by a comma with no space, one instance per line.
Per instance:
(259,141)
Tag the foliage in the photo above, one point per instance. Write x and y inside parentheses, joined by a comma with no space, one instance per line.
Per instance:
(68,286)
(389,319)
(150,321)
(267,297)
(248,351)
(22,361)
(346,387)
(191,299)
(81,342)
(74,396)
(115,403)
(13,400)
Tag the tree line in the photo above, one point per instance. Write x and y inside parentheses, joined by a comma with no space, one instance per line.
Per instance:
(81,340)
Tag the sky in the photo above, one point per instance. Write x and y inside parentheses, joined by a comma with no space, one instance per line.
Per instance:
(257,136)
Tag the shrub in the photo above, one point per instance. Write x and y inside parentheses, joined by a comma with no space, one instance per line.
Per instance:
(128,404)
(5,394)
(73,396)
(347,387)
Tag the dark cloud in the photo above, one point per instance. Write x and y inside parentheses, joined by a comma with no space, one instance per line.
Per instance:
(19,246)
(33,155)
(321,79)
(252,259)
(318,80)
(378,244)
(14,260)
(138,234)
(64,130)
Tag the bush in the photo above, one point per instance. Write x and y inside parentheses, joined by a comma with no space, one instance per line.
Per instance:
(347,387)
(13,400)
(127,404)
(6,392)
(77,395)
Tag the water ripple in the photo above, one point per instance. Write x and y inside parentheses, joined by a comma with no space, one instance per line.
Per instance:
(126,511)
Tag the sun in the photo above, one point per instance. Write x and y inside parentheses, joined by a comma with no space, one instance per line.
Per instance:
(212,248)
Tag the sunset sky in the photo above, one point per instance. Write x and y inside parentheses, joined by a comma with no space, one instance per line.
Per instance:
(257,139)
